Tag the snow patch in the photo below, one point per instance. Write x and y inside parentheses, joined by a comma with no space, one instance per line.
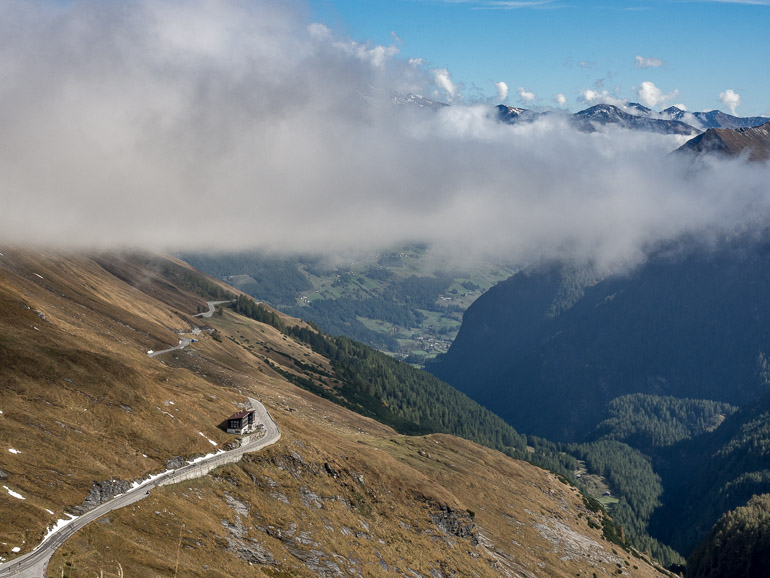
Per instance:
(212,442)
(49,511)
(151,478)
(13,451)
(39,275)
(196,460)
(15,549)
(13,494)
(58,525)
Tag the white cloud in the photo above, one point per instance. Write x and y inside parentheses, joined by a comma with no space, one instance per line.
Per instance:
(652,97)
(443,79)
(526,96)
(730,99)
(560,99)
(592,97)
(642,62)
(121,129)
(502,91)
(377,55)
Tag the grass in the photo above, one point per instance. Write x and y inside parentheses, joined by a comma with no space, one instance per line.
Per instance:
(376,509)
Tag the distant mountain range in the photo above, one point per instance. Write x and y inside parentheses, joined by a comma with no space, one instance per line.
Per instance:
(633,116)
(711,119)
(606,114)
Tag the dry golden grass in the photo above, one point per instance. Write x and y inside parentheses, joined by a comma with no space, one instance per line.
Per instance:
(339,489)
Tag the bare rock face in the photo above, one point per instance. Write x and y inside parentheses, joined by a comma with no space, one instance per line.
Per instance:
(175,463)
(239,542)
(100,493)
(454,522)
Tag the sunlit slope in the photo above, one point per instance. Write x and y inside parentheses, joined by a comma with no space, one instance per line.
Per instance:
(82,402)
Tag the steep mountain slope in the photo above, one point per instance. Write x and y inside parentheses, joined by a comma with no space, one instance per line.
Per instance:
(549,348)
(83,403)
(739,545)
(754,142)
(711,474)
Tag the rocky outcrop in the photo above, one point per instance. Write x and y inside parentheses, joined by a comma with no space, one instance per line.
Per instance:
(239,542)
(454,522)
(175,463)
(100,493)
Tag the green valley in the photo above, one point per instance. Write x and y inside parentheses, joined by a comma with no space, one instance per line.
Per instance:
(406,302)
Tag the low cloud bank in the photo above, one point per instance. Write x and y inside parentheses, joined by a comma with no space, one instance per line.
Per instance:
(235,125)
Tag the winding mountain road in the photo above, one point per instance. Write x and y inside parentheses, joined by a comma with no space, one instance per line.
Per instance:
(212,307)
(184,342)
(35,563)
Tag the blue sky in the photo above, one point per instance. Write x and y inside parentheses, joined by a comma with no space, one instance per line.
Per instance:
(688,52)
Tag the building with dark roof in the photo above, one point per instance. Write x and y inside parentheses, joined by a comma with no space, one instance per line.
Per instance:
(241,422)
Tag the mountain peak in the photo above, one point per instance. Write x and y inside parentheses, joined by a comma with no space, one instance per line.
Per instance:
(754,141)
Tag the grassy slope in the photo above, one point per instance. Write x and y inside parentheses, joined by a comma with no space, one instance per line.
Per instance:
(65,391)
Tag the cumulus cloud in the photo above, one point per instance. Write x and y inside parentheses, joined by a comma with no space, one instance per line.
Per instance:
(560,99)
(592,97)
(642,62)
(232,125)
(443,79)
(502,91)
(730,99)
(525,96)
(651,96)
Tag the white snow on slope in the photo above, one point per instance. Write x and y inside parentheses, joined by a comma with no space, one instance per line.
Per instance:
(212,442)
(58,525)
(13,494)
